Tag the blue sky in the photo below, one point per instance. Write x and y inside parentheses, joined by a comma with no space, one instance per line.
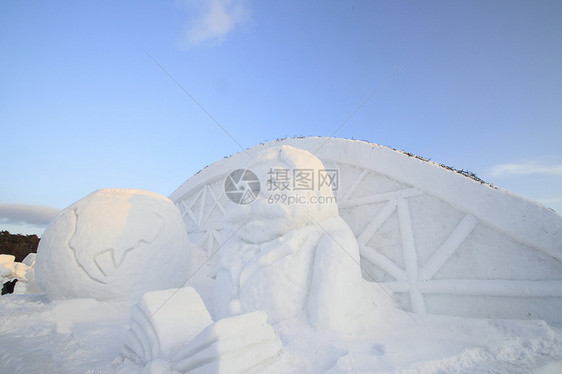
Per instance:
(472,84)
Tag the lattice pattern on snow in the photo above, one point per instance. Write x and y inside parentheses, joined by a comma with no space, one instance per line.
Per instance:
(413,276)
(367,201)
(202,213)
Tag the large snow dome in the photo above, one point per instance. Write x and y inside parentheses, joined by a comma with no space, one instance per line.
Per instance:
(442,242)
(113,244)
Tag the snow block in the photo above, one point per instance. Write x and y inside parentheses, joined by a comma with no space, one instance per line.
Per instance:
(172,332)
(7,260)
(232,345)
(114,244)
(7,263)
(17,277)
(442,242)
(162,322)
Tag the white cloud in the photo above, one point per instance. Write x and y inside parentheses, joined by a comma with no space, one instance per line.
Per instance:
(38,215)
(212,20)
(525,169)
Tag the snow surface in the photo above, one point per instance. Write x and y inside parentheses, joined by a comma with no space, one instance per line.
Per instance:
(86,336)
(289,293)
(113,244)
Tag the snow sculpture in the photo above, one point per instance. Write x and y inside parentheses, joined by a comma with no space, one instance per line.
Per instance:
(171,331)
(7,267)
(442,242)
(21,272)
(113,244)
(289,252)
(162,321)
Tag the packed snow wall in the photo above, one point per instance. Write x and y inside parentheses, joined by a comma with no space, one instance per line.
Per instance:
(442,242)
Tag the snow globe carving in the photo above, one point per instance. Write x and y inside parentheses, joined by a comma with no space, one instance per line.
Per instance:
(114,244)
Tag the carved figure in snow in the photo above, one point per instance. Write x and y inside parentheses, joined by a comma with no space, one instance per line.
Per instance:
(289,252)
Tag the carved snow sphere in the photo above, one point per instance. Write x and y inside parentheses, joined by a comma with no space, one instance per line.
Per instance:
(113,244)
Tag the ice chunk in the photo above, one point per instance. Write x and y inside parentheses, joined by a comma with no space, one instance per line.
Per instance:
(113,244)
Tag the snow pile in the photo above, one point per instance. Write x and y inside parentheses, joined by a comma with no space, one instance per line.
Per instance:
(22,272)
(113,244)
(292,259)
(171,331)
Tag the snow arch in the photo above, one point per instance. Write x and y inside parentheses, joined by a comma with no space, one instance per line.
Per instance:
(442,242)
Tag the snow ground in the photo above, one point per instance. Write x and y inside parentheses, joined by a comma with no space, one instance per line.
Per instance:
(86,336)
